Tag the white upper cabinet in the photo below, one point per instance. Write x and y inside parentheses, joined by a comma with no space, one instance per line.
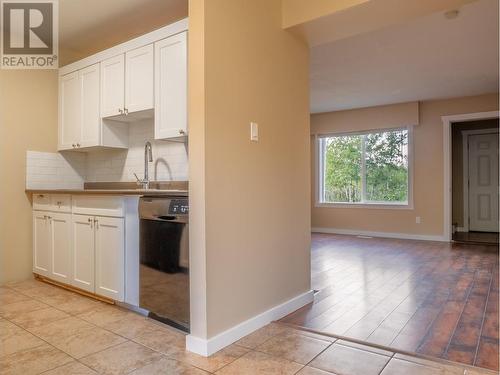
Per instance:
(100,95)
(90,116)
(171,87)
(139,79)
(113,86)
(69,111)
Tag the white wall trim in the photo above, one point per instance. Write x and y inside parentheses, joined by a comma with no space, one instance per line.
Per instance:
(465,171)
(151,37)
(354,232)
(207,347)
(447,158)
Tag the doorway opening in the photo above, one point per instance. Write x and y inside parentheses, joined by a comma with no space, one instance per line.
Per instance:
(475,181)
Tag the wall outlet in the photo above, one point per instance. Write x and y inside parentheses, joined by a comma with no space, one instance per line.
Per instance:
(254,132)
(418,220)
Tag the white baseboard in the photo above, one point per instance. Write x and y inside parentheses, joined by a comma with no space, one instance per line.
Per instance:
(208,347)
(406,236)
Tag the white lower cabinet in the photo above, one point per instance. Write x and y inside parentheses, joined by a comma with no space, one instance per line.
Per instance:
(99,246)
(52,245)
(109,257)
(41,243)
(60,245)
(85,251)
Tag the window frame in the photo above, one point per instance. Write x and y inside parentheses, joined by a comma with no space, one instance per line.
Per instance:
(319,169)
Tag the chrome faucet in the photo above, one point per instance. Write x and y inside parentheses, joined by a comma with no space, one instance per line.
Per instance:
(148,157)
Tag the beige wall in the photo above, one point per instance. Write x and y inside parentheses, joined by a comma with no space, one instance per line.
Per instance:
(457,165)
(250,200)
(428,175)
(28,121)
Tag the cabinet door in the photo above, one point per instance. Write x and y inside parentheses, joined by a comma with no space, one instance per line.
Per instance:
(139,80)
(171,87)
(110,254)
(112,86)
(83,252)
(41,243)
(69,111)
(90,101)
(61,249)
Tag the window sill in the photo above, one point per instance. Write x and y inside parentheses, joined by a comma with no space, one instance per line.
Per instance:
(376,206)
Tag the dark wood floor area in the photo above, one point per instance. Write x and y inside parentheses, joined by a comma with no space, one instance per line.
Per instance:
(476,237)
(432,298)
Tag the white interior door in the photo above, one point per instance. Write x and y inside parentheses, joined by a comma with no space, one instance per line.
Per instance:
(83,252)
(41,243)
(61,247)
(139,79)
(483,182)
(110,256)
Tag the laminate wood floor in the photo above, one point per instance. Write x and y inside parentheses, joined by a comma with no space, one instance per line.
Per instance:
(432,298)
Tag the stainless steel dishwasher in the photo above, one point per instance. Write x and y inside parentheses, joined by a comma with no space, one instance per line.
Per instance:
(164,259)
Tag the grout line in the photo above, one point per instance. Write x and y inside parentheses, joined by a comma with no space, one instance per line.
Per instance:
(471,288)
(483,319)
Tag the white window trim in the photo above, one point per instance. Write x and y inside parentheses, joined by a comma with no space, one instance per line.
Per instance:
(319,164)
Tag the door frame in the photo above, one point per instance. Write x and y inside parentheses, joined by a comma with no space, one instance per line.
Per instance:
(465,171)
(447,159)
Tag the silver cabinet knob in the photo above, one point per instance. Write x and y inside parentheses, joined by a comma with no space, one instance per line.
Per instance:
(182,132)
(78,145)
(120,110)
(126,111)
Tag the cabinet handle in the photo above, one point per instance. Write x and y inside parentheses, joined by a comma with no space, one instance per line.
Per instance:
(73,145)
(182,132)
(120,110)
(41,195)
(78,145)
(126,111)
(90,221)
(96,222)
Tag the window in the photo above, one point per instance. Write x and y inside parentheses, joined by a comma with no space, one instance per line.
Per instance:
(367,168)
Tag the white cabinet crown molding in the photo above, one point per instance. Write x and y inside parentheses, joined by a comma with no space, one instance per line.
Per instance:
(153,36)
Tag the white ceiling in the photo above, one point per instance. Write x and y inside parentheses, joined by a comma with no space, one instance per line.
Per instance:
(429,58)
(89,26)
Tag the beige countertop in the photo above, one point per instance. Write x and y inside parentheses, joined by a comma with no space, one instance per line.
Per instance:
(110,191)
(178,188)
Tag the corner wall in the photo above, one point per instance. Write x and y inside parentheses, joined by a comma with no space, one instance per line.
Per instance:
(250,212)
(28,121)
(427,174)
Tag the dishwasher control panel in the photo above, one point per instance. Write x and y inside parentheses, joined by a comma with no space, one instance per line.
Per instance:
(178,207)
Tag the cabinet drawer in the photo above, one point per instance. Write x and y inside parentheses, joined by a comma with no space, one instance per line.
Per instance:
(61,203)
(98,205)
(41,202)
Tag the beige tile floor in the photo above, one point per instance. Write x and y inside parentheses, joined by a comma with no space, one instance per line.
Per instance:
(49,330)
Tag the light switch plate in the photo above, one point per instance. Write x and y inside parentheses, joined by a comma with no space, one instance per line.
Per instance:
(254,131)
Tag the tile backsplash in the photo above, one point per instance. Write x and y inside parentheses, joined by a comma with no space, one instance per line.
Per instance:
(69,170)
(48,170)
(170,159)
